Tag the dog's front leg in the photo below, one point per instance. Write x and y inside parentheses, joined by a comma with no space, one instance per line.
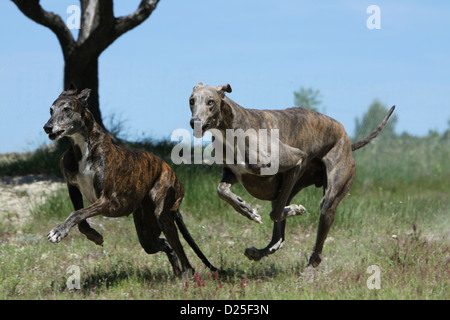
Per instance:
(77,200)
(62,230)
(275,244)
(224,192)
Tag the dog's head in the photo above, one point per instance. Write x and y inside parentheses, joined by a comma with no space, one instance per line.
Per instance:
(67,114)
(207,105)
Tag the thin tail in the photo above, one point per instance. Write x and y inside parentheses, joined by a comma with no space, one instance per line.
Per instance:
(359,144)
(187,236)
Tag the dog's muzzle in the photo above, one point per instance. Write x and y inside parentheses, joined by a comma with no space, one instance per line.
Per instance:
(193,121)
(52,135)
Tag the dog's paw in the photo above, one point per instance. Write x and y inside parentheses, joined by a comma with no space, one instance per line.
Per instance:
(252,214)
(57,234)
(99,241)
(294,210)
(256,217)
(315,260)
(249,212)
(253,254)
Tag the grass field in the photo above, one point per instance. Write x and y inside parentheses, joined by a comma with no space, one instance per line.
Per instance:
(396,218)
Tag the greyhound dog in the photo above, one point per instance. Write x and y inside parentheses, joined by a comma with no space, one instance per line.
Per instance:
(116,182)
(312,149)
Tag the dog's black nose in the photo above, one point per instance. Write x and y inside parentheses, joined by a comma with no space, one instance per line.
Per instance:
(48,128)
(193,120)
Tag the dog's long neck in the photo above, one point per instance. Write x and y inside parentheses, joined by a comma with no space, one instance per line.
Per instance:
(231,114)
(87,138)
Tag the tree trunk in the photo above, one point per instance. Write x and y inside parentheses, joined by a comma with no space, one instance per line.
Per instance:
(81,70)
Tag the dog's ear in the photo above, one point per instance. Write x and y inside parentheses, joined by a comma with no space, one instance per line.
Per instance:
(223,88)
(71,90)
(199,85)
(83,96)
(72,87)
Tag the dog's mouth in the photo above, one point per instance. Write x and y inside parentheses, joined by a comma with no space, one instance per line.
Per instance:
(205,128)
(55,135)
(200,131)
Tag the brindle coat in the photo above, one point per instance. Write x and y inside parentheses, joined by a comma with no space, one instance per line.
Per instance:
(116,182)
(314,149)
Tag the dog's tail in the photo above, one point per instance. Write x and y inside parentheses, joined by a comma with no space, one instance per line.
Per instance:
(359,144)
(187,236)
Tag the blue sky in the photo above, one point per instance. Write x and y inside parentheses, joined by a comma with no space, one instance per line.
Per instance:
(264,49)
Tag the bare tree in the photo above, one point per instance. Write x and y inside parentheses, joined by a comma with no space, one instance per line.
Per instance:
(98,29)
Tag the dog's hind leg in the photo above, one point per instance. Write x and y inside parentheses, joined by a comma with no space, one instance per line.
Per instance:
(164,197)
(341,171)
(149,231)
(77,200)
(166,222)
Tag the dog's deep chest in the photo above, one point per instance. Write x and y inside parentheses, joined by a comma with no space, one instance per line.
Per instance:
(85,181)
(85,177)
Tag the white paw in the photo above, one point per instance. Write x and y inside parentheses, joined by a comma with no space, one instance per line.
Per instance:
(56,234)
(256,217)
(294,210)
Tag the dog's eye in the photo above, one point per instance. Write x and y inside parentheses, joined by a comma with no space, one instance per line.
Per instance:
(67,109)
(211,103)
(191,102)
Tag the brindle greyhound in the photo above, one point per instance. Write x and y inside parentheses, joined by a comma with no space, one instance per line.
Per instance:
(313,149)
(116,182)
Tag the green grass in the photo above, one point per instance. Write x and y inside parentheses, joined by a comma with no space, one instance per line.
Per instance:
(396,216)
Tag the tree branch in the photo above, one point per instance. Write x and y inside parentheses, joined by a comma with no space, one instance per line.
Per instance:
(33,10)
(126,23)
(96,14)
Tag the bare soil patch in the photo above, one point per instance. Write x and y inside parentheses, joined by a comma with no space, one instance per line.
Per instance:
(19,194)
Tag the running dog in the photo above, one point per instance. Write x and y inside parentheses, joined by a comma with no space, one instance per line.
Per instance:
(117,182)
(313,149)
